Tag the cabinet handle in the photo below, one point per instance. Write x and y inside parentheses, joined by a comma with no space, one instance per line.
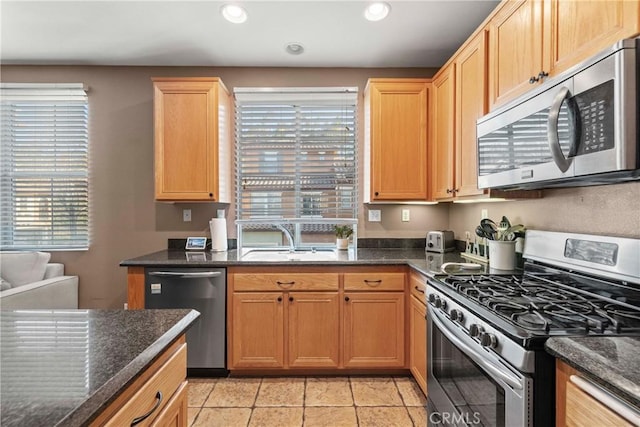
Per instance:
(542,74)
(279,299)
(533,79)
(143,417)
(285,283)
(291,299)
(373,282)
(449,190)
(418,289)
(346,299)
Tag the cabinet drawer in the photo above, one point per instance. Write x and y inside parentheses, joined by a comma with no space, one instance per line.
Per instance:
(418,287)
(163,383)
(374,281)
(285,281)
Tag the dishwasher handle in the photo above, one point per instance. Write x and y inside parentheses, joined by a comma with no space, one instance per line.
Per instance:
(185,275)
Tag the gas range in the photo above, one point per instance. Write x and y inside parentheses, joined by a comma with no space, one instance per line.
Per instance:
(551,300)
(486,332)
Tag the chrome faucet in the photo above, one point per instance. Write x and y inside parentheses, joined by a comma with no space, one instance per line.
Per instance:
(292,245)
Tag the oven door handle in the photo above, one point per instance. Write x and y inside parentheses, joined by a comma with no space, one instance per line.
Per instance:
(494,370)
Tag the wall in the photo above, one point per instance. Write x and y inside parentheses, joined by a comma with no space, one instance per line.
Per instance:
(610,210)
(125,220)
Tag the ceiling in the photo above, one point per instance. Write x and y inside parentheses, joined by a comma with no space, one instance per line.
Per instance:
(193,33)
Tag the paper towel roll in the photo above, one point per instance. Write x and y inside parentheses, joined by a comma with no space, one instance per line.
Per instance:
(218,228)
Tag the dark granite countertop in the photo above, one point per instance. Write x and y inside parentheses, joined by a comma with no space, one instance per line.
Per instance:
(63,367)
(613,362)
(427,263)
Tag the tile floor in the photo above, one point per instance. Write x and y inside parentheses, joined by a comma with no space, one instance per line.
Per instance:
(309,402)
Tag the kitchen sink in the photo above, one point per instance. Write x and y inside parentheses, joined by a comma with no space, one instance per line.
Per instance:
(281,255)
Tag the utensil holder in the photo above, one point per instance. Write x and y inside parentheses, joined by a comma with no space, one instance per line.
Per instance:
(502,254)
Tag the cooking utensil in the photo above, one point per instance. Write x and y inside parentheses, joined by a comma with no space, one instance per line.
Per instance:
(490,230)
(485,232)
(513,232)
(502,228)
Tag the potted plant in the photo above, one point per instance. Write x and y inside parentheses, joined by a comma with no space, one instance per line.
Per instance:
(343,232)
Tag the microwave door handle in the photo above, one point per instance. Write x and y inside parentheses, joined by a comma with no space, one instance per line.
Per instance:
(552,129)
(485,364)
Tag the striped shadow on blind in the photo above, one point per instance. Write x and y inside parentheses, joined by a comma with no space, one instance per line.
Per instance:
(44,185)
(296,153)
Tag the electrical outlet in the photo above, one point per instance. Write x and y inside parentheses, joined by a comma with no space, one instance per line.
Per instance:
(405,215)
(375,215)
(221,213)
(484,214)
(186,215)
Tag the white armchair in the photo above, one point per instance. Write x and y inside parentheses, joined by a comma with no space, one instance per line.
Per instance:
(29,281)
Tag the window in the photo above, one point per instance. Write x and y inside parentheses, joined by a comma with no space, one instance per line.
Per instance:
(44,194)
(296,153)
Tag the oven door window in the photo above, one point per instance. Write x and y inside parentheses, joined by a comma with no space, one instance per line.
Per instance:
(479,400)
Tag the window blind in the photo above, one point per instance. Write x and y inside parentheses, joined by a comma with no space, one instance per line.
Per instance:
(44,185)
(296,153)
(33,340)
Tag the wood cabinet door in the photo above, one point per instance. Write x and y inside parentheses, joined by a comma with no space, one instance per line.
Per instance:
(418,343)
(471,104)
(374,329)
(314,329)
(442,144)
(398,139)
(257,330)
(583,410)
(515,49)
(579,29)
(185,132)
(175,413)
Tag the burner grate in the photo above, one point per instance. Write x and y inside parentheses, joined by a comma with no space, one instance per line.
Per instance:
(544,305)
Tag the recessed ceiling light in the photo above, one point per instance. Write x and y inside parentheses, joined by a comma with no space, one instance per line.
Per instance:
(234,13)
(377,11)
(294,48)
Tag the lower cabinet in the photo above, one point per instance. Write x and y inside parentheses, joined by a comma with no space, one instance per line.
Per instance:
(258,330)
(314,329)
(575,407)
(313,318)
(157,398)
(418,342)
(374,330)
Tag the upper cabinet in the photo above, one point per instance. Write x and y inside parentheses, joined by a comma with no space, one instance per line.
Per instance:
(531,40)
(192,139)
(471,104)
(459,99)
(395,164)
(580,29)
(442,133)
(515,49)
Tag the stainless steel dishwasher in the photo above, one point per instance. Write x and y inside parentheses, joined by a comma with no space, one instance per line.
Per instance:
(202,289)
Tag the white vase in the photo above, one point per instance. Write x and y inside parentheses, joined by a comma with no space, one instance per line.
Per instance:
(502,255)
(342,243)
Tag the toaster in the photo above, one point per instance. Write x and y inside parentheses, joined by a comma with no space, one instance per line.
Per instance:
(440,241)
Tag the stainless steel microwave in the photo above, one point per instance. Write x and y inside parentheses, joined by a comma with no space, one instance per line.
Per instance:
(578,128)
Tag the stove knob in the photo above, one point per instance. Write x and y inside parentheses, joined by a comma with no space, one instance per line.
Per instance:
(475,330)
(488,340)
(456,315)
(432,298)
(438,302)
(444,304)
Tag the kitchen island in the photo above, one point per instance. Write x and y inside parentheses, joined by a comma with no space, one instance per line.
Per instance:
(73,367)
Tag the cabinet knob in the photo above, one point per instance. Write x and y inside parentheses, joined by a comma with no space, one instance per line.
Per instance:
(542,74)
(291,299)
(279,299)
(210,194)
(346,299)
(376,193)
(533,79)
(449,190)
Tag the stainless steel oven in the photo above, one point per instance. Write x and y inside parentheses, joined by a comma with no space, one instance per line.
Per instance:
(470,385)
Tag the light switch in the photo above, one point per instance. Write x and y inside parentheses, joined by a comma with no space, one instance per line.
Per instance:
(405,215)
(186,215)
